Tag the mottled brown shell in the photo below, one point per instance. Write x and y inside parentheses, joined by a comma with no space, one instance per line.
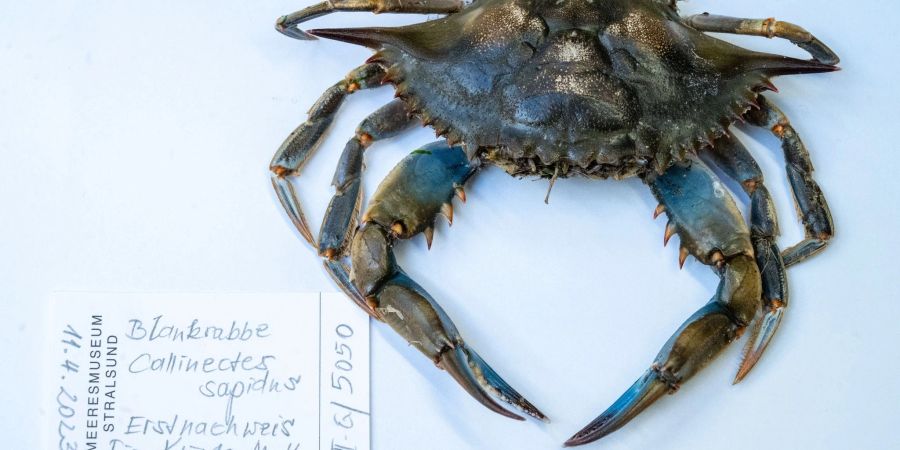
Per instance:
(549,87)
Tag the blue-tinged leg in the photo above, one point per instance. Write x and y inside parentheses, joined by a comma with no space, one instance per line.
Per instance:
(814,211)
(303,141)
(734,159)
(342,214)
(711,228)
(406,204)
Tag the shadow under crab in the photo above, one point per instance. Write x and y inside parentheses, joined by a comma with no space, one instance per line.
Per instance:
(596,88)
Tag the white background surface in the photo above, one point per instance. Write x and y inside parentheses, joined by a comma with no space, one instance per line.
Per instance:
(135,140)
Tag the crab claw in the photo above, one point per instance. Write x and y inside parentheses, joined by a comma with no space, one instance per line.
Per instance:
(761,332)
(646,390)
(479,380)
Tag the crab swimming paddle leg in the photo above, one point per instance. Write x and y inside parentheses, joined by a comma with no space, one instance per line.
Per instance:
(769,28)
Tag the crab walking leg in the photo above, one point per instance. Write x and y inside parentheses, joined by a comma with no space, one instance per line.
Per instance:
(287,25)
(811,203)
(303,141)
(343,211)
(769,28)
(406,204)
(712,230)
(340,218)
(733,158)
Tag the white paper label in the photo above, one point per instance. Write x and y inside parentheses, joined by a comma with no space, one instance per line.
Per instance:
(206,372)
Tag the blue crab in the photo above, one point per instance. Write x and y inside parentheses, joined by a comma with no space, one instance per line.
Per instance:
(554,89)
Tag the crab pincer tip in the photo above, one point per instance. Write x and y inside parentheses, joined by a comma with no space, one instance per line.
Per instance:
(646,390)
(292,31)
(456,363)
